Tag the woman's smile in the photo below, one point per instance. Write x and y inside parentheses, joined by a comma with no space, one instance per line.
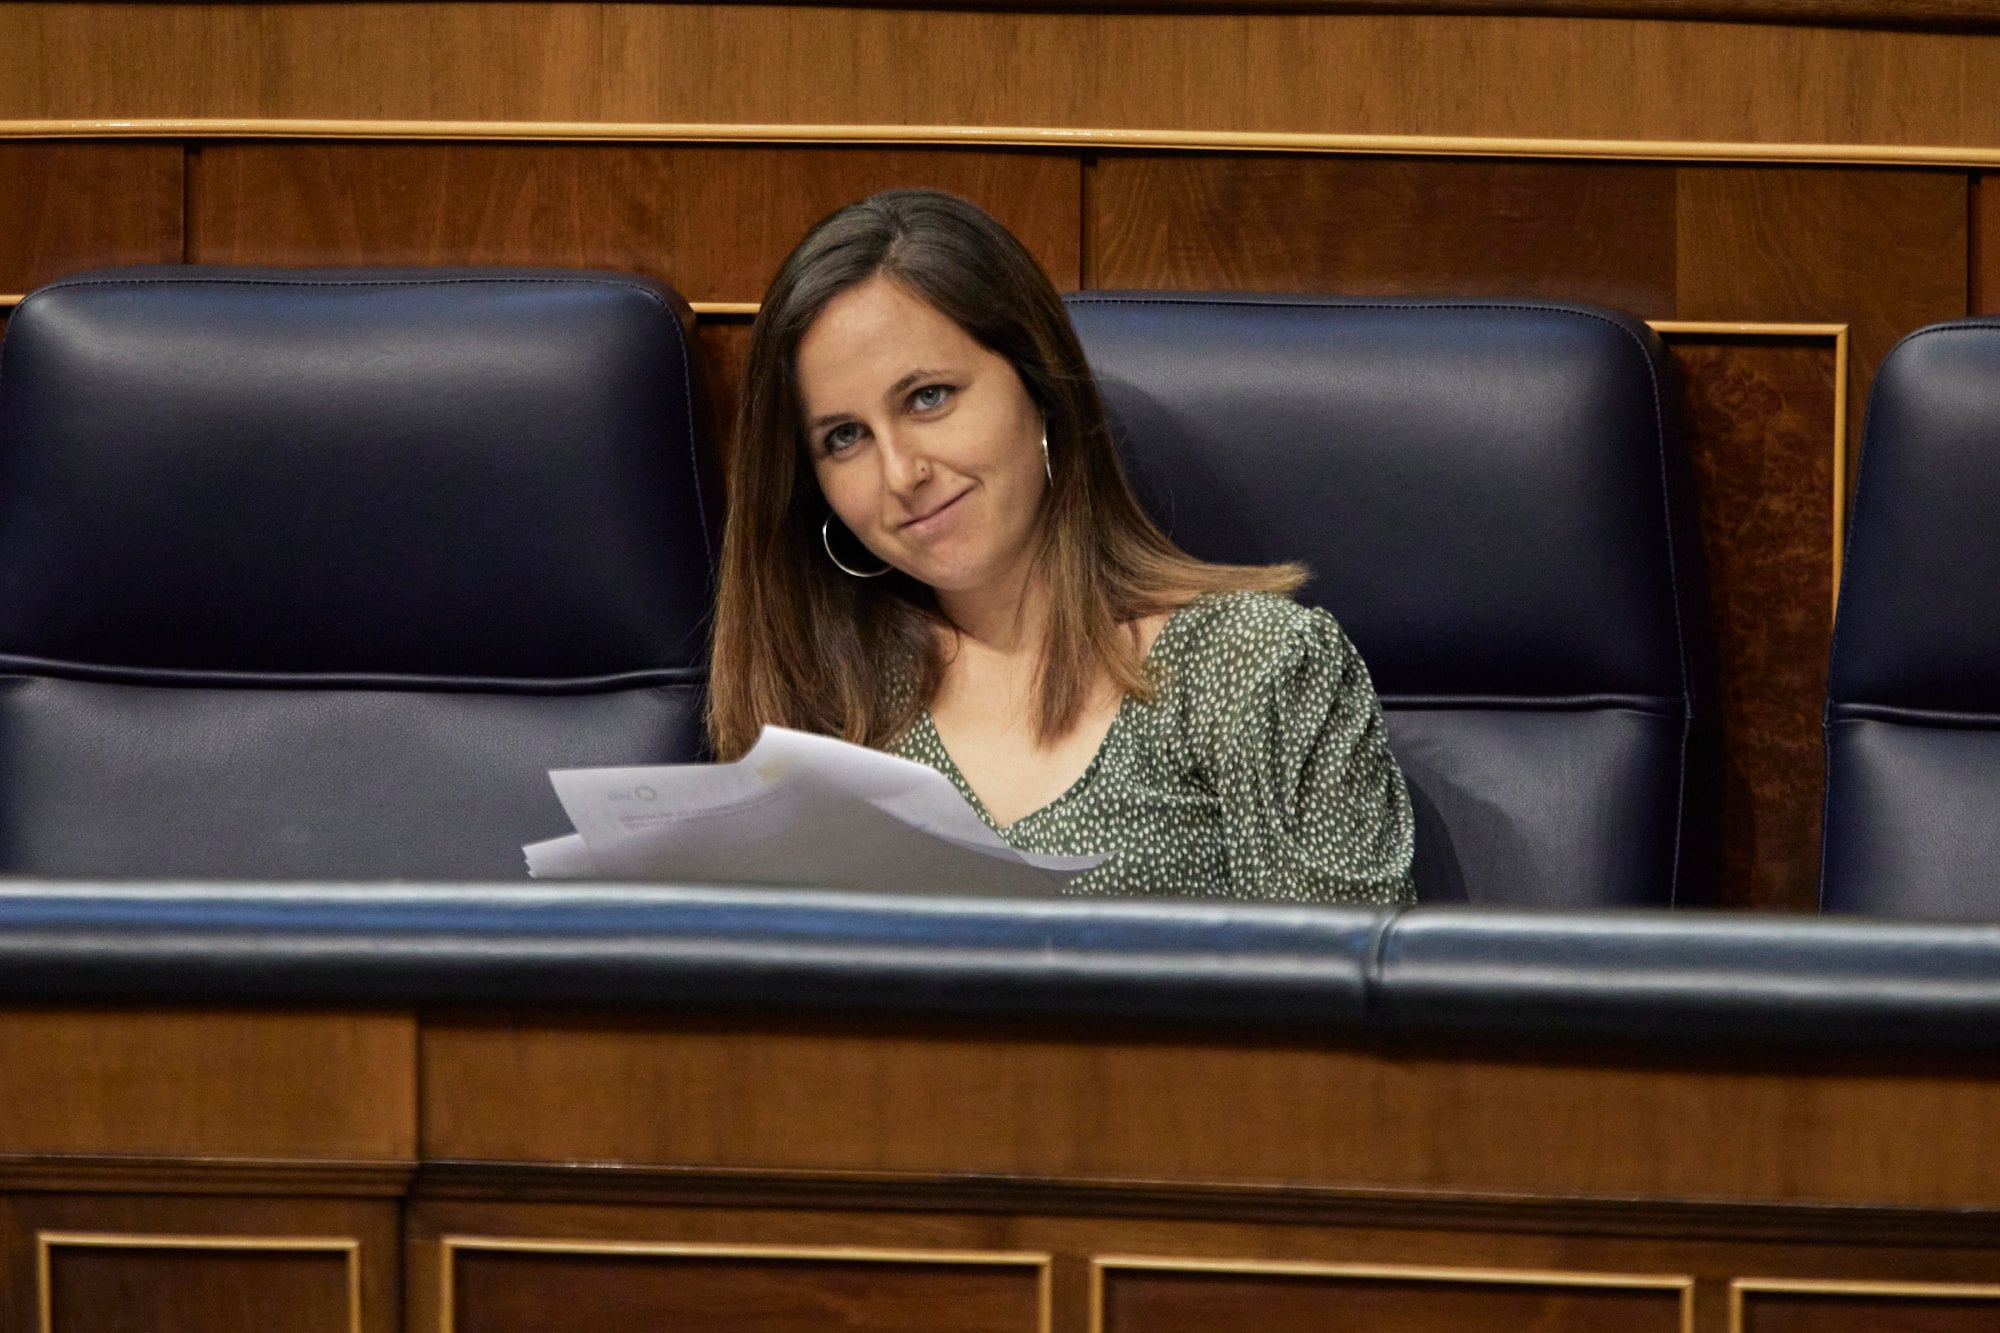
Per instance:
(933,522)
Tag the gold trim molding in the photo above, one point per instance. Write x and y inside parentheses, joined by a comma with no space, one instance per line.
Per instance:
(449,1247)
(47,1241)
(1517,1277)
(1015,136)
(1773,1286)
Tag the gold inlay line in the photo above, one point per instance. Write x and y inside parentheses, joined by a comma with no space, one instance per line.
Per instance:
(1012,136)
(1779,1286)
(450,1246)
(1684,1284)
(47,1241)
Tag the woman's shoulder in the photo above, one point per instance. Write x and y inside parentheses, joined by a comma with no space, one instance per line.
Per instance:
(1249,622)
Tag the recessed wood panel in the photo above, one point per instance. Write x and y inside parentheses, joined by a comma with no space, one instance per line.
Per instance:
(713,222)
(180,1253)
(1600,232)
(913,1100)
(527,1292)
(1860,1311)
(1761,419)
(225,1083)
(68,206)
(1152,1301)
(117,1289)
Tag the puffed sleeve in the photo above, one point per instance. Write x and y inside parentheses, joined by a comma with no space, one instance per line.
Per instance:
(1314,807)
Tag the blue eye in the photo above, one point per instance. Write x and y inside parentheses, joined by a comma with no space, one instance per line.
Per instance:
(841,437)
(930,398)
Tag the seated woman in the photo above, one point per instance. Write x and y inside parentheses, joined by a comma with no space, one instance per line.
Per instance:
(932,549)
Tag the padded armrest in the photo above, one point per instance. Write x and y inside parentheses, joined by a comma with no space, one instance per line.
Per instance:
(1636,980)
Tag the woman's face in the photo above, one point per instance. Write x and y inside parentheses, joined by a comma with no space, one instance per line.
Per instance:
(925,443)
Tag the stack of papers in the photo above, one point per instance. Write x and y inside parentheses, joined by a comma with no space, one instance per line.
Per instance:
(797,810)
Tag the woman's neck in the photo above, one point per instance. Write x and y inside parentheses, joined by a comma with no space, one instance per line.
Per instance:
(1009,619)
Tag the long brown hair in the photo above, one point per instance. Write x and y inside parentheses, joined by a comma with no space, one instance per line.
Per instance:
(800,644)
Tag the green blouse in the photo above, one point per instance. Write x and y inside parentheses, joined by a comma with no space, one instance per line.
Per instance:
(1260,769)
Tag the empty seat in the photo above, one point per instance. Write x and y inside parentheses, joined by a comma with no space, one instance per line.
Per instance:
(1494,500)
(1913,698)
(314,573)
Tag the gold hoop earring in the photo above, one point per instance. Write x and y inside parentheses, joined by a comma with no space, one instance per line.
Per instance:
(1048,469)
(826,540)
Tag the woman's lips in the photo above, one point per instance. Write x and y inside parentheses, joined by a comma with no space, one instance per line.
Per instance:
(929,523)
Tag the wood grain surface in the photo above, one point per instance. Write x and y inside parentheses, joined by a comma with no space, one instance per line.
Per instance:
(712,222)
(909,1100)
(1195,1302)
(218,1083)
(213,1281)
(500,1292)
(1861,1312)
(1599,232)
(1476,75)
(66,206)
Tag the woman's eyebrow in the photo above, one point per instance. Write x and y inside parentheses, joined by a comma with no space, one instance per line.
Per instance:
(895,390)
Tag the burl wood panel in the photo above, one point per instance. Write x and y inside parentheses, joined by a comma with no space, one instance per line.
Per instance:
(756,64)
(1600,232)
(526,1293)
(1761,416)
(1850,1312)
(712,222)
(1166,1302)
(148,1287)
(1984,244)
(907,1099)
(67,206)
(208,1082)
(95,1290)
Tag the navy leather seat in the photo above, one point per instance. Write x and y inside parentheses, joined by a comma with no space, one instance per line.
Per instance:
(1913,700)
(1494,500)
(316,573)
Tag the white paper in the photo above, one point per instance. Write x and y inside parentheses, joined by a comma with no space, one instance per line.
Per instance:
(798,810)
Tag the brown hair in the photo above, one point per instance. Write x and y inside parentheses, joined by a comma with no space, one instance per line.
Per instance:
(800,644)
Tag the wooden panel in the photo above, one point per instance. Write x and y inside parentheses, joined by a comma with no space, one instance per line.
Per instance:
(1141,1301)
(67,206)
(338,1085)
(218,1290)
(1881,251)
(502,1292)
(1860,1311)
(1565,78)
(1600,232)
(714,222)
(211,1275)
(1761,416)
(839,1099)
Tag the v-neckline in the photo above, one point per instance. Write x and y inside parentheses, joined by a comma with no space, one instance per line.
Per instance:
(964,784)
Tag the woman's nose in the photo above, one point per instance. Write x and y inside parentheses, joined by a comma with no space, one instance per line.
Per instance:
(904,467)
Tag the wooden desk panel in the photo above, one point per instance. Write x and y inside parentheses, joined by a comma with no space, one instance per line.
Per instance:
(902,1099)
(208,1083)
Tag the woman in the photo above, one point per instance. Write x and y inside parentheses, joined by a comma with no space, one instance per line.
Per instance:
(932,549)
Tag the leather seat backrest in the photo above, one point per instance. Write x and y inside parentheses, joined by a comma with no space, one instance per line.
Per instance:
(1913,696)
(314,573)
(1493,498)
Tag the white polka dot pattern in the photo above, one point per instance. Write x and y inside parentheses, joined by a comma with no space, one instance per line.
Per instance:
(1260,771)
